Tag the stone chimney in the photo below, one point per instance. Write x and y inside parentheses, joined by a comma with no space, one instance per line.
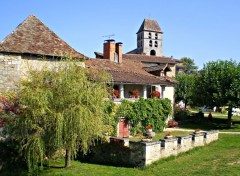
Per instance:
(109,49)
(119,51)
(112,51)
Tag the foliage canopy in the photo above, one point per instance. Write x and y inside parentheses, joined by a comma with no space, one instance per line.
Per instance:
(219,84)
(61,108)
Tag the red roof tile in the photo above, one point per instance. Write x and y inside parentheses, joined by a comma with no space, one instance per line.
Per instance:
(150,59)
(33,37)
(127,72)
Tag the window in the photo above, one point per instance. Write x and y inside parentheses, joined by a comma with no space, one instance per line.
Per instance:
(141,43)
(153,53)
(156,44)
(156,35)
(150,43)
(150,35)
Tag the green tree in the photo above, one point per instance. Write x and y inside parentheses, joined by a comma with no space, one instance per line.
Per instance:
(61,108)
(185,88)
(220,85)
(189,65)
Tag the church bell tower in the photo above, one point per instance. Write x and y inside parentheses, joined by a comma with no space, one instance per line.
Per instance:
(149,38)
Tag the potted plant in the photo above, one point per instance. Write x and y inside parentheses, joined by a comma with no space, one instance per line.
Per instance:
(149,128)
(197,130)
(134,93)
(116,93)
(149,132)
(168,135)
(155,94)
(172,123)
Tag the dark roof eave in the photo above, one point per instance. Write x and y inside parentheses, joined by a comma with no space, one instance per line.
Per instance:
(142,83)
(36,54)
(150,31)
(156,62)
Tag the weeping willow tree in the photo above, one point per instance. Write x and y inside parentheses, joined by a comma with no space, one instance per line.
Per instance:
(61,108)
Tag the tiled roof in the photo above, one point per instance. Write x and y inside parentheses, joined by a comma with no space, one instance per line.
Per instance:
(33,37)
(155,68)
(145,58)
(149,25)
(127,72)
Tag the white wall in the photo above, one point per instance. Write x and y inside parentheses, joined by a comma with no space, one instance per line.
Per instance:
(168,92)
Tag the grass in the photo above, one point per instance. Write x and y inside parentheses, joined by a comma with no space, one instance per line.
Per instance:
(219,122)
(219,158)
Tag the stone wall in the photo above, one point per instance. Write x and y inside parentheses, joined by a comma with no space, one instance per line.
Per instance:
(122,152)
(13,68)
(145,153)
(9,72)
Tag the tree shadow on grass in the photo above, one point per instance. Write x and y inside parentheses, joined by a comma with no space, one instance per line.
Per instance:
(206,124)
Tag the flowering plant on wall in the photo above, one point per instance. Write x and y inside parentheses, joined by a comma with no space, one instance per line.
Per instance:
(155,94)
(134,93)
(116,93)
(7,106)
(149,127)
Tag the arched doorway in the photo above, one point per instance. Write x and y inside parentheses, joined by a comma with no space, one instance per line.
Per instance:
(153,53)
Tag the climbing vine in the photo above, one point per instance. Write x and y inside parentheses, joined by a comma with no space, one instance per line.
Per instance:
(145,112)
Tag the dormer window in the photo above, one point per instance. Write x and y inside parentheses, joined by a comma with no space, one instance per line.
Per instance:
(156,35)
(150,43)
(150,35)
(156,44)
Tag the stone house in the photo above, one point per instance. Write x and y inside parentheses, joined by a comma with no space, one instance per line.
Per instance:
(143,68)
(31,44)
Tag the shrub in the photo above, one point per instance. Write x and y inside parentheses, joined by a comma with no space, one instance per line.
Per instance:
(181,114)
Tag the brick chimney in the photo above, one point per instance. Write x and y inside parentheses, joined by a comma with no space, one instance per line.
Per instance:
(109,49)
(112,51)
(119,51)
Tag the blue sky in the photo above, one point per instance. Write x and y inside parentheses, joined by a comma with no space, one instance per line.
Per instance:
(203,30)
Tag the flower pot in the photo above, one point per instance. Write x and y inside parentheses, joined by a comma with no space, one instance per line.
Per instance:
(149,130)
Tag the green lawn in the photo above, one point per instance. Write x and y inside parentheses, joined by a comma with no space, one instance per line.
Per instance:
(219,158)
(219,122)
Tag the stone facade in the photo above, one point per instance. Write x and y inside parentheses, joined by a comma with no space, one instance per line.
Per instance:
(148,41)
(9,71)
(13,68)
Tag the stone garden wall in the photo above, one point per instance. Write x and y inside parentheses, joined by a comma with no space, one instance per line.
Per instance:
(145,153)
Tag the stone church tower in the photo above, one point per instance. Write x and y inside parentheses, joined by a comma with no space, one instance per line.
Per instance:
(149,39)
